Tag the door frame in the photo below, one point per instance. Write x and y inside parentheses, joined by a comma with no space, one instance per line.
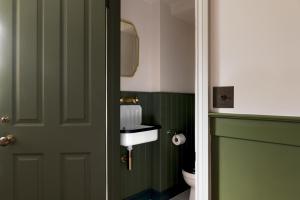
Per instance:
(202,139)
(113,18)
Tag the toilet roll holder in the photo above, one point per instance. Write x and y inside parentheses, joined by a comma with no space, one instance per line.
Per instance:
(173,133)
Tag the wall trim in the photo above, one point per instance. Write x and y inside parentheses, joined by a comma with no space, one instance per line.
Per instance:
(256,117)
(202,139)
(259,128)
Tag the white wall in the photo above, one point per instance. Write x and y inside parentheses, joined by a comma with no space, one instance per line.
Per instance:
(145,16)
(166,48)
(255,46)
(177,50)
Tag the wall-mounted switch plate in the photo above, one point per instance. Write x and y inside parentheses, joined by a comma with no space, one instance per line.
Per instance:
(223,97)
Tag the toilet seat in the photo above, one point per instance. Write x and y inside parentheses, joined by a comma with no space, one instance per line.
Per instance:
(188,175)
(189,178)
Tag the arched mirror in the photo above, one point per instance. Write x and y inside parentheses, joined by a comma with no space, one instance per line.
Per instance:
(129,49)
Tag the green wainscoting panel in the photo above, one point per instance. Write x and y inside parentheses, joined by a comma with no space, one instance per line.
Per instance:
(157,165)
(255,157)
(176,112)
(261,128)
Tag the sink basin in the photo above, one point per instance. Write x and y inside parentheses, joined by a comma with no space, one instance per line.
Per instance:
(138,135)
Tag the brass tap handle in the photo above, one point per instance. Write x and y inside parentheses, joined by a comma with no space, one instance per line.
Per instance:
(7,140)
(129,100)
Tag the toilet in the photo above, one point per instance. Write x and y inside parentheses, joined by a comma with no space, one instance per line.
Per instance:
(188,173)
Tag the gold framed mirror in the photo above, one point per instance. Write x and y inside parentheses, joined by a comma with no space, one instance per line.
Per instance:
(129,49)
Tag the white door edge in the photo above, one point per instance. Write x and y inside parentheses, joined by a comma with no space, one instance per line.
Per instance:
(202,139)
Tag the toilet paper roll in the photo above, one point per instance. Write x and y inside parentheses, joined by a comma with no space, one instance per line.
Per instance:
(178,139)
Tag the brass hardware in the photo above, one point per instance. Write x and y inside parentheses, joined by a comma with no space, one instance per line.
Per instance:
(130,160)
(127,158)
(129,100)
(4,120)
(8,140)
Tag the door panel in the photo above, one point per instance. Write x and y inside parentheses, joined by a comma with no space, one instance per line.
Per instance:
(53,88)
(76,60)
(75,169)
(28,65)
(28,174)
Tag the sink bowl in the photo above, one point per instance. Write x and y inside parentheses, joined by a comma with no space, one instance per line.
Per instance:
(138,135)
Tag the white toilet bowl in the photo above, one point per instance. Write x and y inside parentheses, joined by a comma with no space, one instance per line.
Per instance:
(189,178)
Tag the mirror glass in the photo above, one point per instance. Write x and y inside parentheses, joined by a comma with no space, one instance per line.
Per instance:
(129,49)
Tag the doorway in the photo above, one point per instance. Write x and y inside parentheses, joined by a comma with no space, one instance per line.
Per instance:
(164,83)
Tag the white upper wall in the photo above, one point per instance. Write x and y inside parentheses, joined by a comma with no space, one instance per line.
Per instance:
(182,9)
(166,48)
(255,46)
(177,58)
(145,16)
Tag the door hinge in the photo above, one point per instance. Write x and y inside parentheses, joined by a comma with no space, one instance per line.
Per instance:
(107,3)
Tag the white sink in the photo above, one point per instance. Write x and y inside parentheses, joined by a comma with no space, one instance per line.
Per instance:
(138,135)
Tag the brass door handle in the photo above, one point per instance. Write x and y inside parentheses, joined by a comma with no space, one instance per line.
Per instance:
(7,140)
(4,120)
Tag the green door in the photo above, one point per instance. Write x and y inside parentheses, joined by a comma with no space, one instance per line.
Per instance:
(52,88)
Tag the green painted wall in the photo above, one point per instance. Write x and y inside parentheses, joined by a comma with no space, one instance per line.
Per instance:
(157,165)
(176,112)
(255,157)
